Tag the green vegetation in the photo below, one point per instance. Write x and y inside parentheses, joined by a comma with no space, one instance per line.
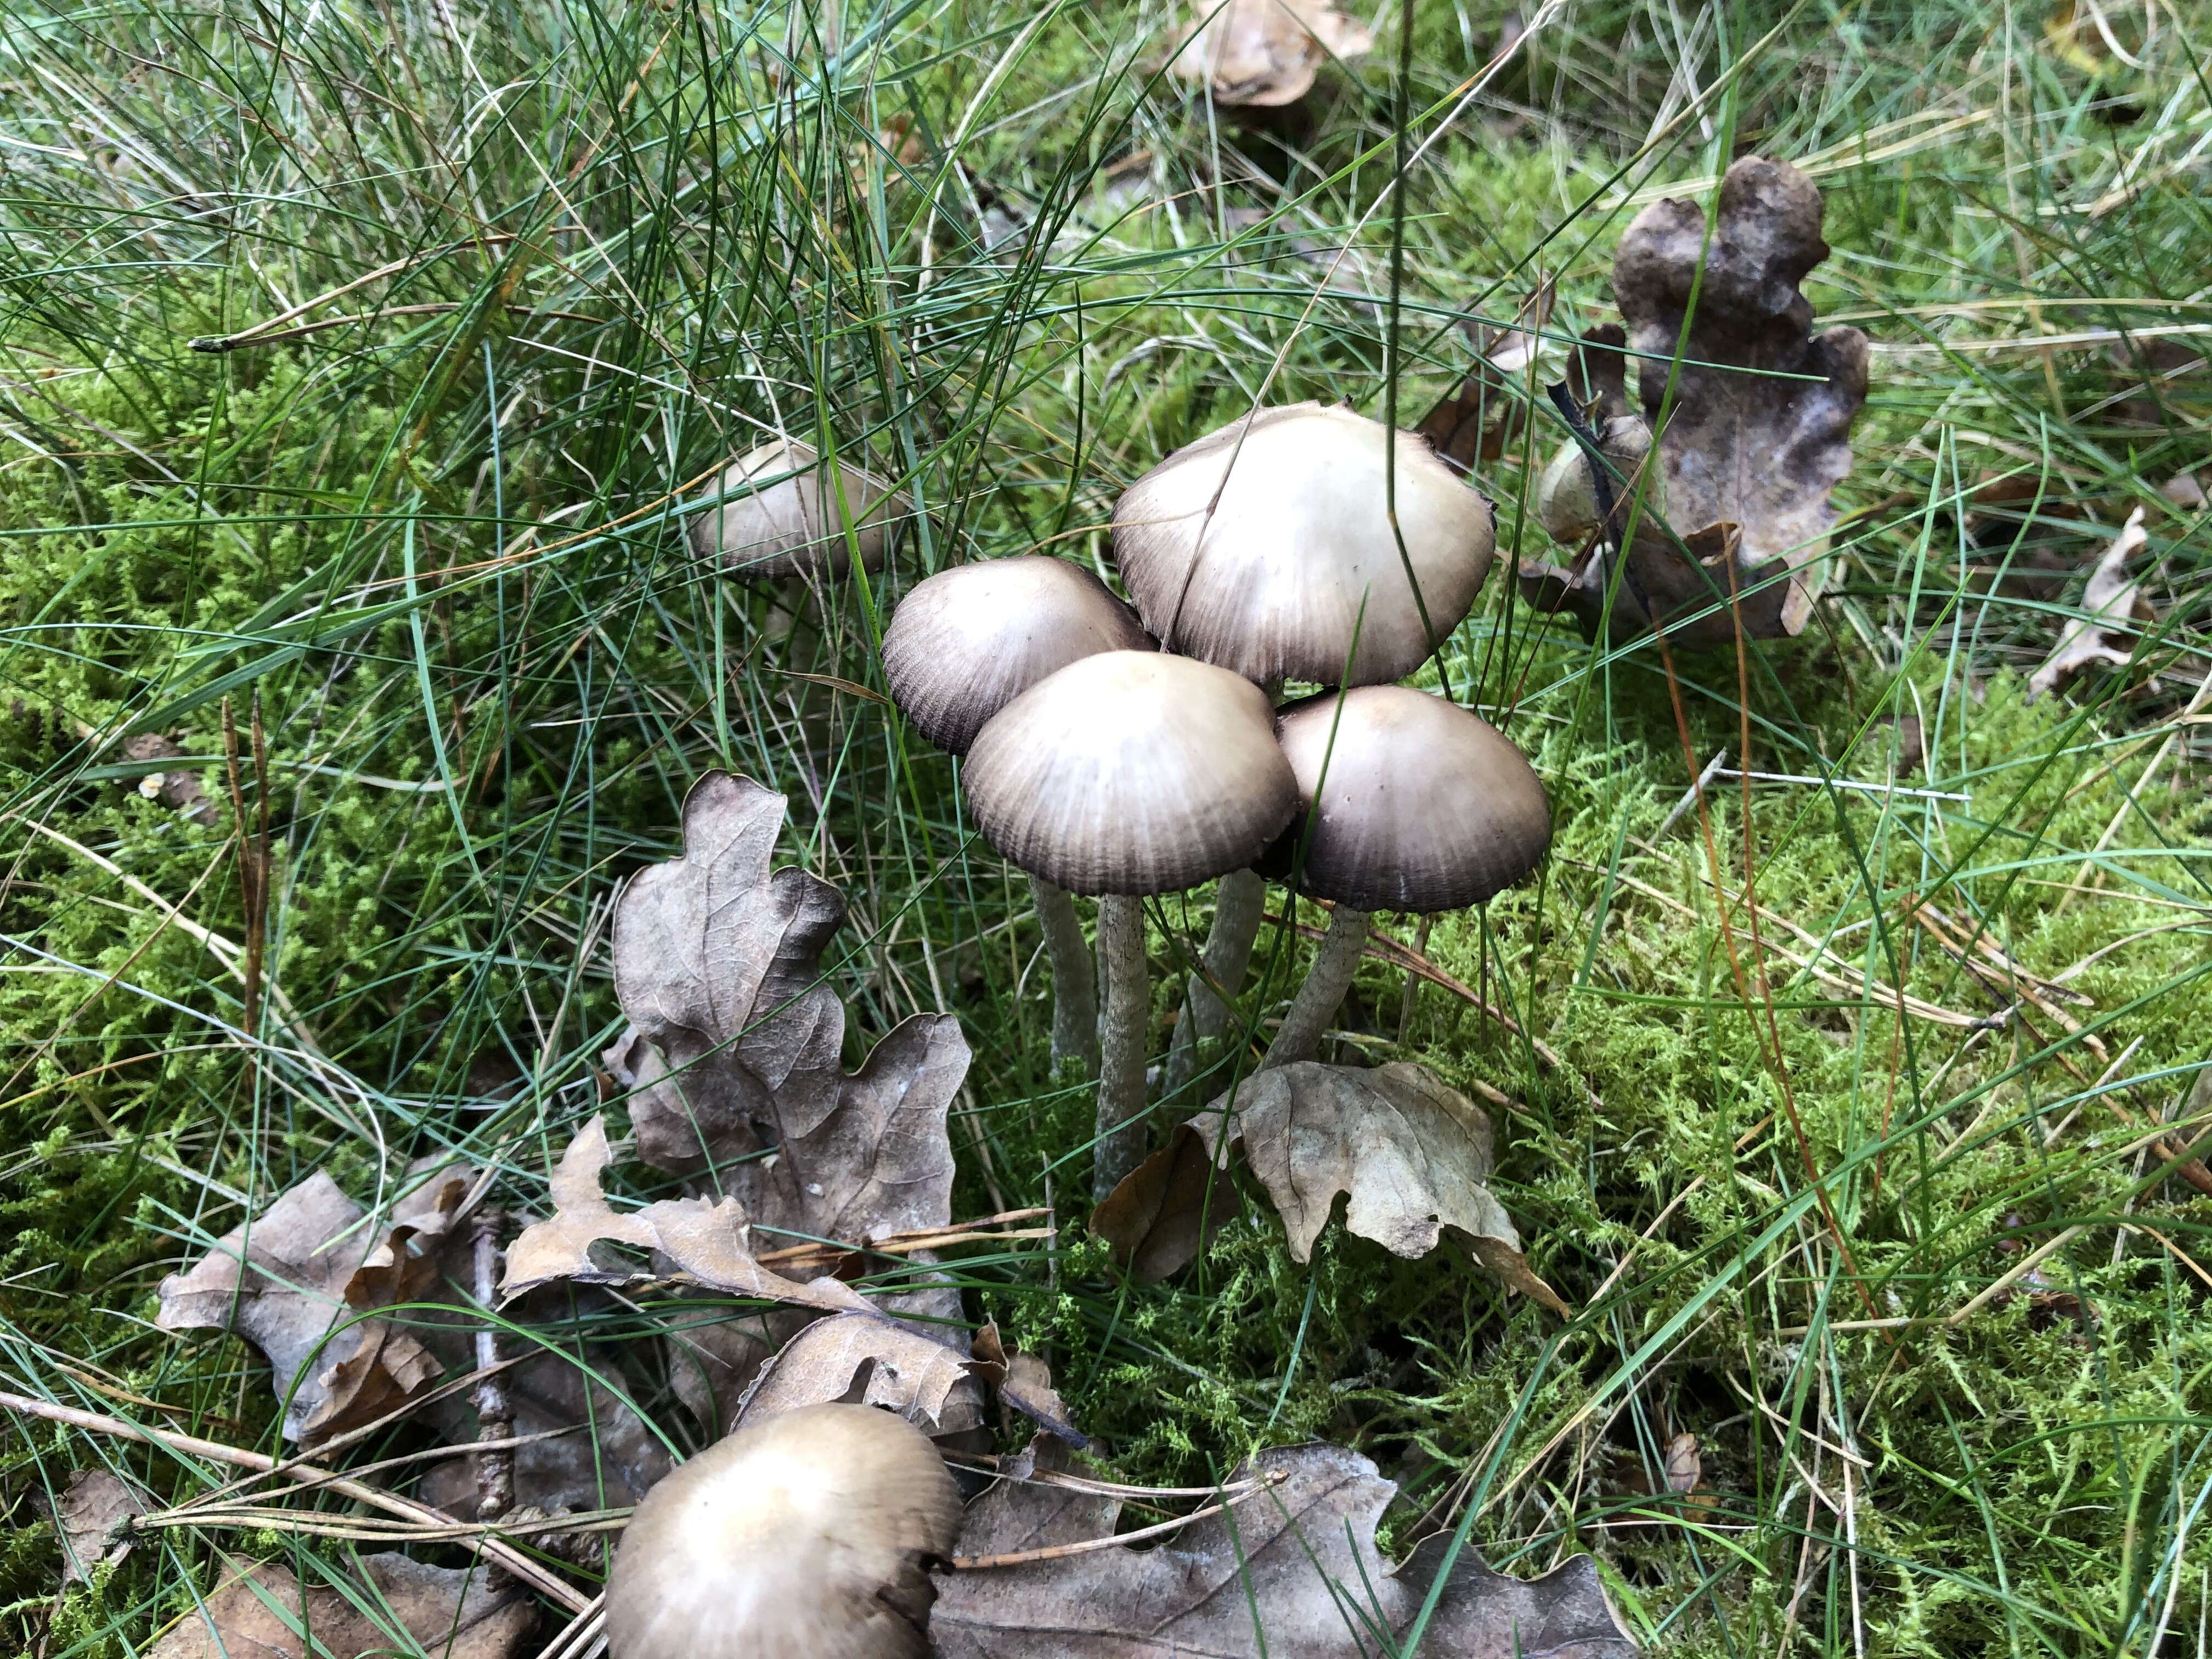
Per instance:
(501,283)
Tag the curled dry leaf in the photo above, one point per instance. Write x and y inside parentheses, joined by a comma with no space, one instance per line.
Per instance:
(1481,420)
(288,1278)
(708,1242)
(1160,1215)
(2108,603)
(1265,53)
(1411,1153)
(1291,1573)
(451,1613)
(1757,430)
(94,1515)
(862,1358)
(733,1063)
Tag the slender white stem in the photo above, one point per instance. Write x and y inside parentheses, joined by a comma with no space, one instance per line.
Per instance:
(1322,994)
(1075,988)
(1121,1146)
(1238,908)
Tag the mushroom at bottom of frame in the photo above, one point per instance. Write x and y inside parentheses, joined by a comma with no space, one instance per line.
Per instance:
(809,1534)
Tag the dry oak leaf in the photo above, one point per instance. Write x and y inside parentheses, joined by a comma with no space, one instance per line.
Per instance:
(1291,1573)
(286,1280)
(447,1612)
(1265,53)
(1411,1153)
(863,1358)
(708,1242)
(94,1515)
(2108,603)
(1758,426)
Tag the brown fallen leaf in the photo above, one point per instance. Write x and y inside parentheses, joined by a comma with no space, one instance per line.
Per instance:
(263,1613)
(707,1242)
(1480,421)
(733,1063)
(1160,1216)
(1265,53)
(2183,493)
(1759,427)
(1411,1153)
(1293,1572)
(94,1515)
(861,1359)
(2108,603)
(287,1280)
(179,790)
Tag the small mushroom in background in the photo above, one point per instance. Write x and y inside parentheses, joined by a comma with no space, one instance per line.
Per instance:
(808,1534)
(1266,53)
(775,514)
(960,646)
(1411,804)
(1126,774)
(1267,547)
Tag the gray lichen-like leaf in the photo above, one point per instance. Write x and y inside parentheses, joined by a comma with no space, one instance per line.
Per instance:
(1291,1573)
(1758,415)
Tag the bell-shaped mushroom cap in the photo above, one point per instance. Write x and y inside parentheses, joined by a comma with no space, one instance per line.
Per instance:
(967,642)
(791,526)
(1132,772)
(806,1533)
(1269,581)
(1424,806)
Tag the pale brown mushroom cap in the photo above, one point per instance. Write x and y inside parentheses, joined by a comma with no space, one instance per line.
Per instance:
(1132,772)
(967,642)
(810,1532)
(793,527)
(1424,806)
(1269,583)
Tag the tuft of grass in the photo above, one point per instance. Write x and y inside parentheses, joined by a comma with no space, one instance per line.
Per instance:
(496,284)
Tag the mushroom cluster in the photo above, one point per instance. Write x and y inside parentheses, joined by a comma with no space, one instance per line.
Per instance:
(1122,753)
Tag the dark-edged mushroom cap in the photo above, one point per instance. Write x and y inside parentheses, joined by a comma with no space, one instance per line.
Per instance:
(1269,581)
(791,526)
(1424,806)
(967,642)
(811,1533)
(1132,772)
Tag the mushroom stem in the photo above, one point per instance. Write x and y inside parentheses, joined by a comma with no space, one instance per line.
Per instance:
(1121,1144)
(1238,908)
(1074,988)
(1322,994)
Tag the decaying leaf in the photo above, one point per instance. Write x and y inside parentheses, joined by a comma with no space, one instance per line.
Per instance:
(2110,601)
(707,1242)
(732,1064)
(862,1358)
(1024,1384)
(450,1612)
(94,1515)
(1480,420)
(1159,1217)
(1293,1572)
(1758,428)
(1265,53)
(286,1280)
(1411,1154)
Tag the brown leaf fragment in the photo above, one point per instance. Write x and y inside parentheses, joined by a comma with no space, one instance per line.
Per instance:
(263,1613)
(708,1242)
(94,1515)
(2108,603)
(1758,428)
(1265,53)
(1480,421)
(2183,493)
(862,1358)
(287,1280)
(1292,1571)
(1411,1154)
(1161,1215)
(178,789)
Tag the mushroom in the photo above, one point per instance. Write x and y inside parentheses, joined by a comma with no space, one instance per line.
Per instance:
(1411,804)
(1125,774)
(794,525)
(810,1532)
(1270,547)
(962,646)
